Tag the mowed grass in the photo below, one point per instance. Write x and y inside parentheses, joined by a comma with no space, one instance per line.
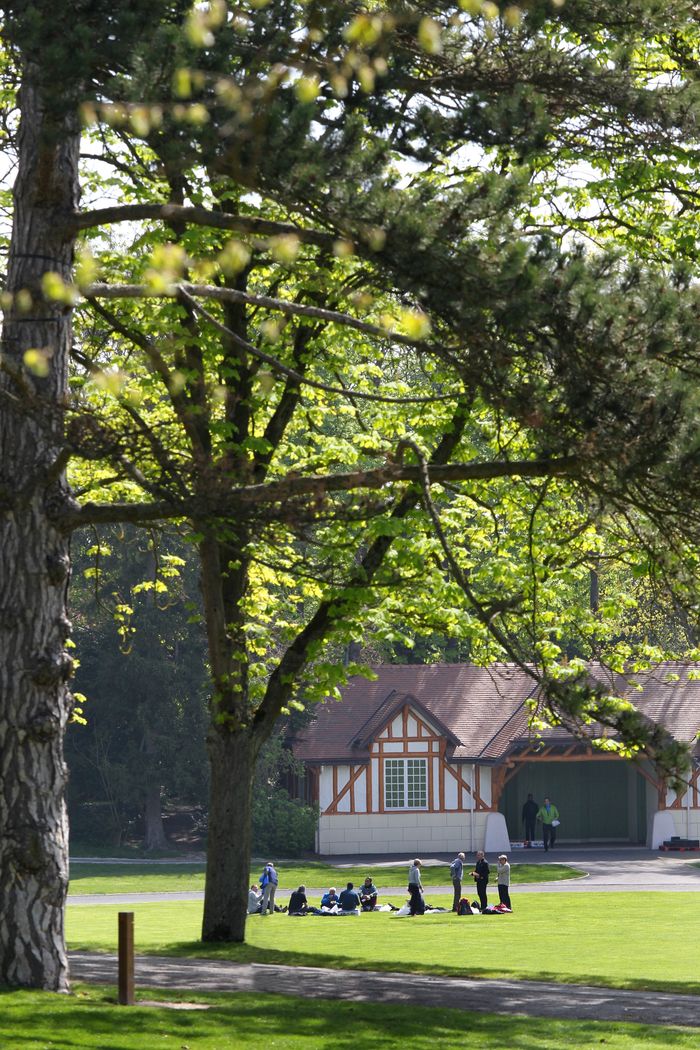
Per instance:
(165,878)
(616,940)
(89,1020)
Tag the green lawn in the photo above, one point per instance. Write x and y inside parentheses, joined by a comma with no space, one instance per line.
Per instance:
(610,939)
(89,1020)
(139,878)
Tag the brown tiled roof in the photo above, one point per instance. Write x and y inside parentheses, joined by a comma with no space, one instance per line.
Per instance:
(471,702)
(387,710)
(481,710)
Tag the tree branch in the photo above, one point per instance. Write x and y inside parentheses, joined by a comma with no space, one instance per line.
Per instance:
(159,366)
(232,295)
(300,379)
(316,486)
(246,224)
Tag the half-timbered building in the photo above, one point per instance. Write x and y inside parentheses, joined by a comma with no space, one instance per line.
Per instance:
(442,757)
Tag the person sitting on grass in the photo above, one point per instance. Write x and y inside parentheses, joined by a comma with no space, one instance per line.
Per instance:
(254,900)
(368,895)
(328,900)
(349,901)
(298,904)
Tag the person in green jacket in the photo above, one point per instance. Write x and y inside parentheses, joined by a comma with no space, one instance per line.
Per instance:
(549,815)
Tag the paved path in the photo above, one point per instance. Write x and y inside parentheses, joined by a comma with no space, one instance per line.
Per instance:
(533,998)
(648,873)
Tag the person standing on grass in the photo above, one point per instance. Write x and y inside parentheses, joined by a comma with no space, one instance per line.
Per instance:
(503,878)
(456,870)
(268,881)
(415,888)
(530,809)
(480,875)
(549,815)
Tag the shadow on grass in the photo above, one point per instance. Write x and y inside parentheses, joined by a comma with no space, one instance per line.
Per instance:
(250,953)
(89,1019)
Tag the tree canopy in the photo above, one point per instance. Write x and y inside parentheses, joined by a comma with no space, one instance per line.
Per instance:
(369,320)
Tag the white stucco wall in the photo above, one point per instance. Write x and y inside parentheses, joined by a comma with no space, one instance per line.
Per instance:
(405,832)
(667,822)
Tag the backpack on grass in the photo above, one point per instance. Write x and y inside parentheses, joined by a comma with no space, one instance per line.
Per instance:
(465,907)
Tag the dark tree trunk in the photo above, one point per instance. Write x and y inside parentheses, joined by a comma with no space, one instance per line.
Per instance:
(232,757)
(154,838)
(35,701)
(232,744)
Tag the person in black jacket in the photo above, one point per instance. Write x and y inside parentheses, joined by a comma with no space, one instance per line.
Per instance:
(530,809)
(481,877)
(298,904)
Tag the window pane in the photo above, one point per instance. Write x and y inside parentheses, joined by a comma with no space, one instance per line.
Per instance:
(394,796)
(417,783)
(405,783)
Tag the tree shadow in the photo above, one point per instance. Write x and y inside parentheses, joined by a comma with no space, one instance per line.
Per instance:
(250,953)
(90,1020)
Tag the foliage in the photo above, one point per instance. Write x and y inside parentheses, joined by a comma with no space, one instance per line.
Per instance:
(282,825)
(241,386)
(142,671)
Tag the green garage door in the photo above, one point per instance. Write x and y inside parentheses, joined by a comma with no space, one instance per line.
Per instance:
(597,801)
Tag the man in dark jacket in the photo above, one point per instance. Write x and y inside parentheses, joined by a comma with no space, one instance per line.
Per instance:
(349,900)
(530,809)
(481,878)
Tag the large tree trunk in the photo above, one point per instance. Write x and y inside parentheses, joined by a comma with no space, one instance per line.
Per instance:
(232,756)
(35,701)
(232,744)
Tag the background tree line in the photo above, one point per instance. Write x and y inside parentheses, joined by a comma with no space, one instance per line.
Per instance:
(137,753)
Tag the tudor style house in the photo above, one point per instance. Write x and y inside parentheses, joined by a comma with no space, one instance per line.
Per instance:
(441,758)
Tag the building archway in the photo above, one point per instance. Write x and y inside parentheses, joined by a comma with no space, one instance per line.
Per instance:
(598,801)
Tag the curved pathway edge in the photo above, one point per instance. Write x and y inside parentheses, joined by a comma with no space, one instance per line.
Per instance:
(530,998)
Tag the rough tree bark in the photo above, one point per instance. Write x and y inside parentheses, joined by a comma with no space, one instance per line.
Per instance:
(154,832)
(35,701)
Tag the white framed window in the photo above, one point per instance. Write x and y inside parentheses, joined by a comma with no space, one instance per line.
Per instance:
(405,783)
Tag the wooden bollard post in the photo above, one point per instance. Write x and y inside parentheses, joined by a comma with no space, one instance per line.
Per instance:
(126,958)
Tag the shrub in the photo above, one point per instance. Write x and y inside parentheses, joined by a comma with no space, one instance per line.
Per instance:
(282,825)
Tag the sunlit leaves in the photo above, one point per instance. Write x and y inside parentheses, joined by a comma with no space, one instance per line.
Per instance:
(56,289)
(307,89)
(430,36)
(38,362)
